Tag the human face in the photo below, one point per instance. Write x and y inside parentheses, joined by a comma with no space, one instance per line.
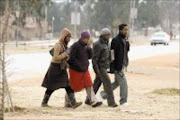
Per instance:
(124,31)
(107,37)
(67,38)
(86,40)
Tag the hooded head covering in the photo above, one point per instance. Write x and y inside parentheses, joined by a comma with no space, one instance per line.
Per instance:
(105,31)
(65,32)
(85,34)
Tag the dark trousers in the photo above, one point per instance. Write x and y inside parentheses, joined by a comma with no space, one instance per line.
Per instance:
(68,91)
(104,78)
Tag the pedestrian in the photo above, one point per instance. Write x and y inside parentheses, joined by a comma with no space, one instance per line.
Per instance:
(120,46)
(80,78)
(101,61)
(57,76)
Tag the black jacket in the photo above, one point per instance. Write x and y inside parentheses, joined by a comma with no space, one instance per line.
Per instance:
(79,57)
(119,51)
(101,55)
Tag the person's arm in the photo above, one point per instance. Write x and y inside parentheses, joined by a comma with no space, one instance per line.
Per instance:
(57,56)
(113,44)
(128,46)
(95,58)
(73,59)
(90,52)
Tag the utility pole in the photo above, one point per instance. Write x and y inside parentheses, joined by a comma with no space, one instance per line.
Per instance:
(75,19)
(75,25)
(18,24)
(133,15)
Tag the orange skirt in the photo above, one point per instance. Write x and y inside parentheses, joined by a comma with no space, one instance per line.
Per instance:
(80,80)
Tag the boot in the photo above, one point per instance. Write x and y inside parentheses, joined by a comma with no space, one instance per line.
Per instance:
(45,101)
(73,102)
(67,102)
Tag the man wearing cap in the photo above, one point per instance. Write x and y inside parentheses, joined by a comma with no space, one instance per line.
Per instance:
(101,61)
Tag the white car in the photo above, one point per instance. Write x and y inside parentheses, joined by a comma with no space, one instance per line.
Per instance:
(160,38)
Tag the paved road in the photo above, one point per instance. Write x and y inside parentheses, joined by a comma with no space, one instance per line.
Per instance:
(27,64)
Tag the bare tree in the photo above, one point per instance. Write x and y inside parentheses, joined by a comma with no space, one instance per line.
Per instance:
(3,79)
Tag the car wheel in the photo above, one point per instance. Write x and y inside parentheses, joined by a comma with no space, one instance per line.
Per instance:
(167,44)
(152,44)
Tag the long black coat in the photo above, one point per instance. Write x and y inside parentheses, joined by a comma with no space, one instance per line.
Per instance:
(118,46)
(55,78)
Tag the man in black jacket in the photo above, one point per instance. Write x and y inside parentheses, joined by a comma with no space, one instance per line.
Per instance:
(120,47)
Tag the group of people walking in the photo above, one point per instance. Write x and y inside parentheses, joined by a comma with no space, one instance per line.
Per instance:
(76,58)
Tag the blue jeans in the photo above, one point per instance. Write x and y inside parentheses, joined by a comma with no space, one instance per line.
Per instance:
(120,80)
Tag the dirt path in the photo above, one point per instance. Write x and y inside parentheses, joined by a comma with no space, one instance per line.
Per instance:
(143,76)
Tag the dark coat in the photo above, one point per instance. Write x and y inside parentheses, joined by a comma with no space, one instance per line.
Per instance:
(101,55)
(119,51)
(79,57)
(55,78)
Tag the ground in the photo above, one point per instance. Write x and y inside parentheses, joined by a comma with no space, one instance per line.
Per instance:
(144,76)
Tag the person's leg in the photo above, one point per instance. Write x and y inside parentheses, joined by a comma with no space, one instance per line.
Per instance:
(121,79)
(92,97)
(96,85)
(107,87)
(46,98)
(70,97)
(114,85)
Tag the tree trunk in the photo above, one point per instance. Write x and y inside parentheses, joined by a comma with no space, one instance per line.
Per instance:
(2,55)
(39,28)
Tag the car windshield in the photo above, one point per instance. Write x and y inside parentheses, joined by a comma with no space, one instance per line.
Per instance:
(159,35)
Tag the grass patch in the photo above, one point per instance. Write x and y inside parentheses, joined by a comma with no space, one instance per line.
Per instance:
(16,109)
(167,91)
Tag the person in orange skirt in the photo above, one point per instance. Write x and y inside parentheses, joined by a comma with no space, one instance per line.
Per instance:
(80,78)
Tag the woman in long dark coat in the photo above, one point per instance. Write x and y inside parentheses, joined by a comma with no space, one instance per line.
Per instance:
(57,76)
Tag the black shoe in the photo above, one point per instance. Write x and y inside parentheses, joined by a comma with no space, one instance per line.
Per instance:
(87,102)
(73,101)
(76,105)
(113,105)
(68,106)
(45,105)
(97,104)
(45,101)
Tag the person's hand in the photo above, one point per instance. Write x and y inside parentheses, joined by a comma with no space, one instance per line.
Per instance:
(97,75)
(65,55)
(89,44)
